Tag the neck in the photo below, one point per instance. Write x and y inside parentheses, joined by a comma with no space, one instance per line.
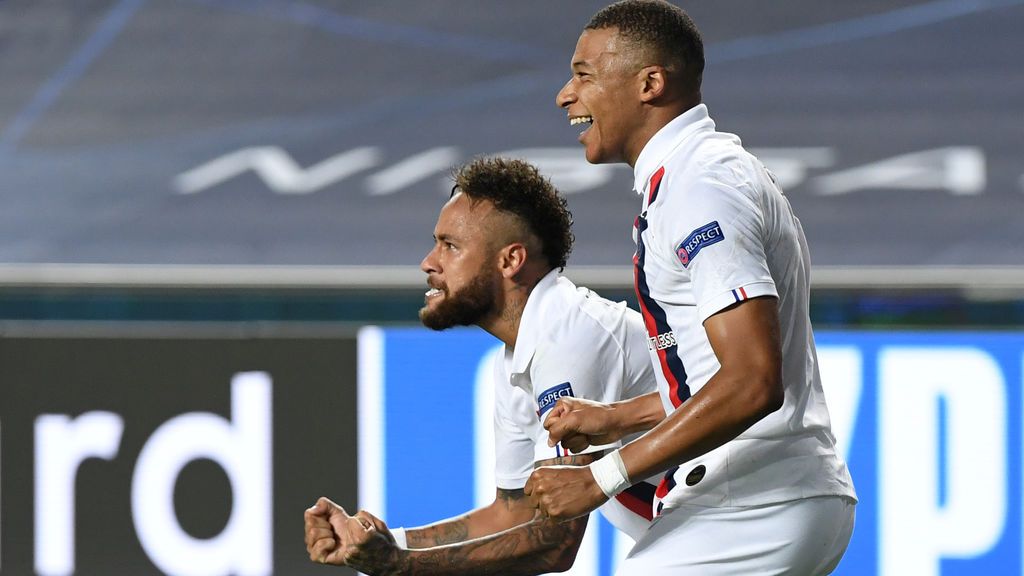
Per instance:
(657,118)
(504,325)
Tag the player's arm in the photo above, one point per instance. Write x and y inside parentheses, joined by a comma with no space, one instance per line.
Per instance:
(638,414)
(578,423)
(537,545)
(507,510)
(747,387)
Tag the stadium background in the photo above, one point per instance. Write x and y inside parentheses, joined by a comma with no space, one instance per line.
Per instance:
(204,201)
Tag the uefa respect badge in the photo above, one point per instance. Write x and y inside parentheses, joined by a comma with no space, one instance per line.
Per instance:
(706,235)
(546,400)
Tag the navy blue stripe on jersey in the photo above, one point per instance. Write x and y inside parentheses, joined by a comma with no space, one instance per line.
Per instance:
(657,323)
(666,485)
(639,499)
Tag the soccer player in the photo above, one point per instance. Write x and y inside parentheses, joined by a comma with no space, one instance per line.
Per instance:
(752,481)
(499,245)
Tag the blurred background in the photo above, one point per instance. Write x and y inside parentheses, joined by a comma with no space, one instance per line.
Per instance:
(213,213)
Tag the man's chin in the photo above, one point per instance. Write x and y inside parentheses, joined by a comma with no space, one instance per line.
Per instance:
(463,308)
(441,319)
(432,320)
(595,156)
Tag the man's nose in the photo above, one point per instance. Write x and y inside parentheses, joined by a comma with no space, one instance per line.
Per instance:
(566,95)
(429,263)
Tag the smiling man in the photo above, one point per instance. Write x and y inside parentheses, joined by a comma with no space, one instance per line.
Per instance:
(752,482)
(499,245)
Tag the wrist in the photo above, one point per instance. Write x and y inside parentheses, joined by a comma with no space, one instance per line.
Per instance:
(610,474)
(617,416)
(401,540)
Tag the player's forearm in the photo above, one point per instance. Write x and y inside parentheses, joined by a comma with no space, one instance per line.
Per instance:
(537,547)
(444,532)
(724,408)
(746,388)
(509,509)
(638,414)
(459,529)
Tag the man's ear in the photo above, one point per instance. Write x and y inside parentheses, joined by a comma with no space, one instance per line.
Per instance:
(512,259)
(654,83)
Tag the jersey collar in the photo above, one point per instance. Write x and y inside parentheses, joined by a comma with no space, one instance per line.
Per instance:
(664,141)
(530,324)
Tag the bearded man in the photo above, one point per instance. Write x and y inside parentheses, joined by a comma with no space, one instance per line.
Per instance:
(499,245)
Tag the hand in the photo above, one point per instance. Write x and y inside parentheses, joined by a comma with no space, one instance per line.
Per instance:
(369,545)
(323,538)
(564,492)
(578,423)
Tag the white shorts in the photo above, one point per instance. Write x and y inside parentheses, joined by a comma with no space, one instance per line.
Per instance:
(803,537)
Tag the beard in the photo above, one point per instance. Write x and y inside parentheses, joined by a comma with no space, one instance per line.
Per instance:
(464,307)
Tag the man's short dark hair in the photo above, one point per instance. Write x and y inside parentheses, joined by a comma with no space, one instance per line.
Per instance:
(516,187)
(665,31)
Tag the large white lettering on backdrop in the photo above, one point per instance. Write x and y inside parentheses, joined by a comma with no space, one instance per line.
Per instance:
(919,523)
(61,446)
(958,170)
(929,422)
(241,446)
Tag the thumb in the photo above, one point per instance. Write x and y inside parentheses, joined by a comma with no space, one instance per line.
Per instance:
(564,405)
(559,428)
(336,516)
(323,507)
(330,507)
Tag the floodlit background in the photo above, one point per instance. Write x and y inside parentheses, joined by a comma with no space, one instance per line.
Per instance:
(204,201)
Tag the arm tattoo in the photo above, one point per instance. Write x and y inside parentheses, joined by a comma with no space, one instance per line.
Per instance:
(511,498)
(457,529)
(449,532)
(538,546)
(570,460)
(541,545)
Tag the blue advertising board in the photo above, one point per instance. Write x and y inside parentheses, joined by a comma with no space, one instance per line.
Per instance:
(929,422)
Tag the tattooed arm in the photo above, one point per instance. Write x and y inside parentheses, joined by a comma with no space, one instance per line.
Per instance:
(527,544)
(509,509)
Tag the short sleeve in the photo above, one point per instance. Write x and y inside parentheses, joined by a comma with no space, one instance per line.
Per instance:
(513,446)
(582,361)
(717,238)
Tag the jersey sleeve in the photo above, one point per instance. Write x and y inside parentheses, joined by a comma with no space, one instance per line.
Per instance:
(717,236)
(582,362)
(513,446)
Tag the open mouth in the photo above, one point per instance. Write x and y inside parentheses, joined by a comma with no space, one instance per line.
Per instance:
(577,120)
(584,122)
(432,293)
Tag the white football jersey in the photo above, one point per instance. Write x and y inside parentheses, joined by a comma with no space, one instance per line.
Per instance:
(571,342)
(715,230)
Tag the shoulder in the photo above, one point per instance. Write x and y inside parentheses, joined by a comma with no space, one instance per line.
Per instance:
(588,327)
(722,184)
(588,315)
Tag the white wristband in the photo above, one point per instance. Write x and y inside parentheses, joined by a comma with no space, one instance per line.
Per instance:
(610,474)
(400,540)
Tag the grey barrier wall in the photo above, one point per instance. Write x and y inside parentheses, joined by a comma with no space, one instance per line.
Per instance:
(179,452)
